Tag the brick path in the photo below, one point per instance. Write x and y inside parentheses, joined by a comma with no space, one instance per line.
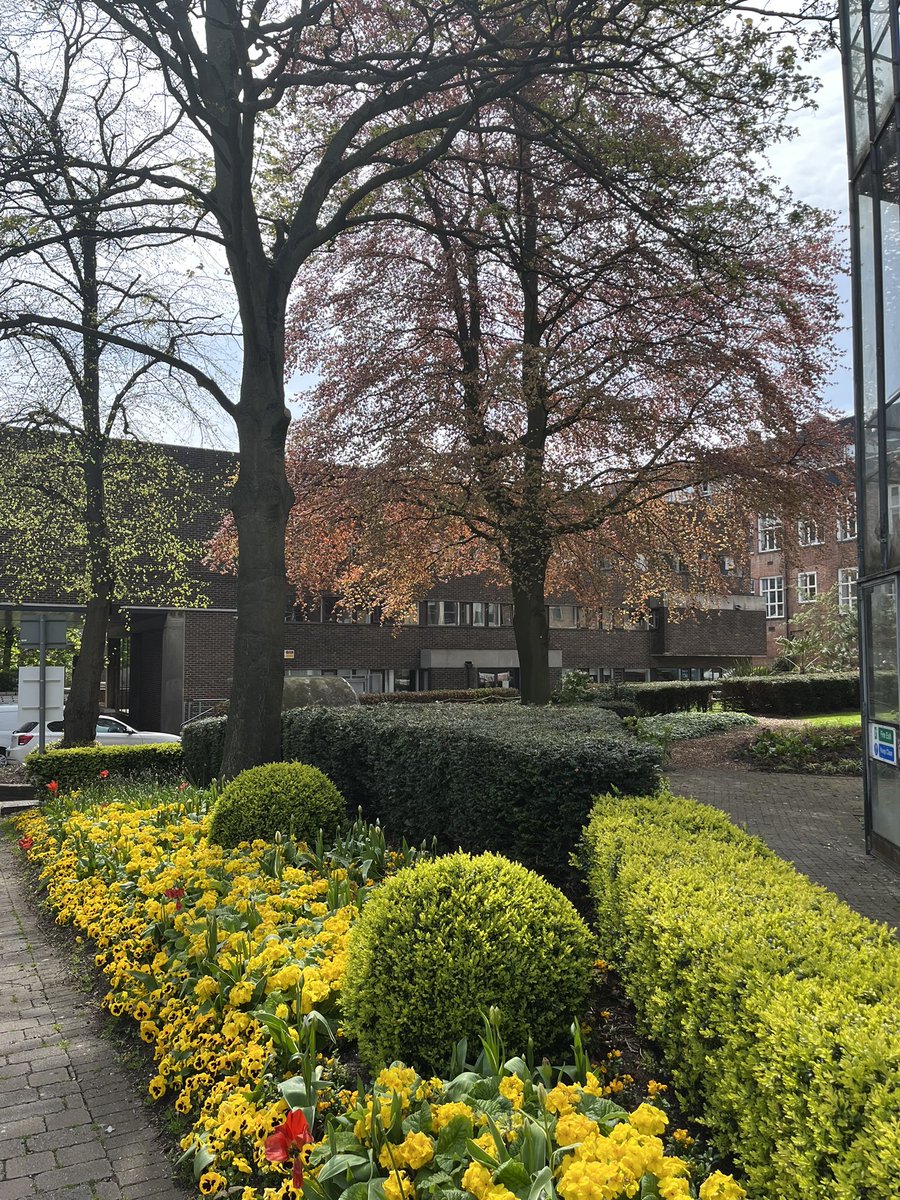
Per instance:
(71,1124)
(816,822)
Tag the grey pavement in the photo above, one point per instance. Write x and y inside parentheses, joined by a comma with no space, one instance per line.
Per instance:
(72,1125)
(816,822)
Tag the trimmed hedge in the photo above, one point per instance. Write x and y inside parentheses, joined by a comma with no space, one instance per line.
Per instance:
(203,745)
(650,699)
(446,696)
(776,1007)
(515,780)
(790,694)
(440,942)
(80,765)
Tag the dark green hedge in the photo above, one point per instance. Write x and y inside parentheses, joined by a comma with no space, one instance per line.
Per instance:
(790,694)
(514,780)
(82,765)
(650,699)
(447,696)
(511,779)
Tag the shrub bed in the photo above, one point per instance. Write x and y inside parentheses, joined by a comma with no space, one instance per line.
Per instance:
(446,696)
(790,695)
(681,727)
(650,699)
(775,1005)
(515,780)
(808,750)
(80,765)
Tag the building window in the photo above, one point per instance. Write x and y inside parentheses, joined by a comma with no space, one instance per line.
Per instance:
(808,533)
(772,591)
(769,533)
(564,616)
(806,587)
(847,588)
(846,523)
(443,612)
(704,489)
(486,614)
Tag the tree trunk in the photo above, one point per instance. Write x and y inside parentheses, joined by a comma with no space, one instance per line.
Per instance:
(532,635)
(83,700)
(261,503)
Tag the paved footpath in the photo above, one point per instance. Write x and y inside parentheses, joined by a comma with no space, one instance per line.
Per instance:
(816,822)
(72,1126)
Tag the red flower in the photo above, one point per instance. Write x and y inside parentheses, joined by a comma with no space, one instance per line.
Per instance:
(288,1140)
(173,893)
(25,843)
(104,775)
(52,787)
(182,786)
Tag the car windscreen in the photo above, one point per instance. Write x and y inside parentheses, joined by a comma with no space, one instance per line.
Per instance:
(27,727)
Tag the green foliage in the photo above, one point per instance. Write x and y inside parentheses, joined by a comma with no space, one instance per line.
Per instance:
(518,780)
(824,636)
(445,696)
(442,940)
(42,502)
(789,695)
(292,798)
(680,727)
(775,1005)
(652,698)
(82,765)
(573,688)
(808,750)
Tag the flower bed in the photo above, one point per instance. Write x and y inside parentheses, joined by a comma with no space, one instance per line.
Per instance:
(808,750)
(230,962)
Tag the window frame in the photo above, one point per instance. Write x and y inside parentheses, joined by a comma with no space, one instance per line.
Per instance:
(807,593)
(768,593)
(768,528)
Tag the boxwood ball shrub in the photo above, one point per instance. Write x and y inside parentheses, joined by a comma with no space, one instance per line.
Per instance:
(292,798)
(438,941)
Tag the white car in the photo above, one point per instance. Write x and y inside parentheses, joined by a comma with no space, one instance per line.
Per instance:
(110,732)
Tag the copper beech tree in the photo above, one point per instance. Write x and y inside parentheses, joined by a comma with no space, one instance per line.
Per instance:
(598,356)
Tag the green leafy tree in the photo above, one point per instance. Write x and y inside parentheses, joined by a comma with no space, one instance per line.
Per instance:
(825,636)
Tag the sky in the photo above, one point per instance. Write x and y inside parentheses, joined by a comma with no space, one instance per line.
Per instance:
(814,167)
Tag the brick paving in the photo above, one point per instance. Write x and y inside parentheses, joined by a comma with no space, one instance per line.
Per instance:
(72,1126)
(816,822)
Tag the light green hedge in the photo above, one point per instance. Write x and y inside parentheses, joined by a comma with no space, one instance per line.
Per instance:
(776,1006)
(81,765)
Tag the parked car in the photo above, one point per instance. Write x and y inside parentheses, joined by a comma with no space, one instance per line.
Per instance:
(9,719)
(110,732)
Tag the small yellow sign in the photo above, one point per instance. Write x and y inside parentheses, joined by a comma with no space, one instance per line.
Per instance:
(289,654)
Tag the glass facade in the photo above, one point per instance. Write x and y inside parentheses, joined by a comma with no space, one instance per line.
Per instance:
(870,40)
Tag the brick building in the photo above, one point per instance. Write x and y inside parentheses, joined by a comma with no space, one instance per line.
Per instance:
(167,664)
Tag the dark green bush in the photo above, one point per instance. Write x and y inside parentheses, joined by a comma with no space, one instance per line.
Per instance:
(292,798)
(81,765)
(652,698)
(447,696)
(510,779)
(809,750)
(774,1005)
(443,939)
(203,744)
(792,694)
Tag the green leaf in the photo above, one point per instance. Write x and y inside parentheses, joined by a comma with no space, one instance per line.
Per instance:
(459,1088)
(453,1139)
(603,1111)
(342,1164)
(649,1188)
(295,1093)
(202,1159)
(513,1175)
(542,1185)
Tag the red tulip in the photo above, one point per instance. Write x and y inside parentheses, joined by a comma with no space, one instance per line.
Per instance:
(25,843)
(52,787)
(288,1140)
(173,893)
(104,774)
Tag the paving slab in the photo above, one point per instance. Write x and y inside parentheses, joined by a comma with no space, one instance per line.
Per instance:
(814,821)
(62,1091)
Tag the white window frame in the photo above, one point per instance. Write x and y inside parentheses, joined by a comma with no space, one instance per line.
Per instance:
(771,588)
(847,577)
(768,531)
(846,524)
(809,533)
(807,587)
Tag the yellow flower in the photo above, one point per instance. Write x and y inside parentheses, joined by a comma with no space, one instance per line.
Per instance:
(721,1187)
(398,1186)
(682,1137)
(157,1087)
(574,1127)
(674,1189)
(513,1089)
(212,1182)
(477,1179)
(443,1114)
(414,1151)
(648,1120)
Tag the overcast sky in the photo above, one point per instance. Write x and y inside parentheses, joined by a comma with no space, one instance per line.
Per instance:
(814,166)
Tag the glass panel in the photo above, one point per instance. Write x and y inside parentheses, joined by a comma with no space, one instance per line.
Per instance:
(872,516)
(860,130)
(882,69)
(881,648)
(886,802)
(889,203)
